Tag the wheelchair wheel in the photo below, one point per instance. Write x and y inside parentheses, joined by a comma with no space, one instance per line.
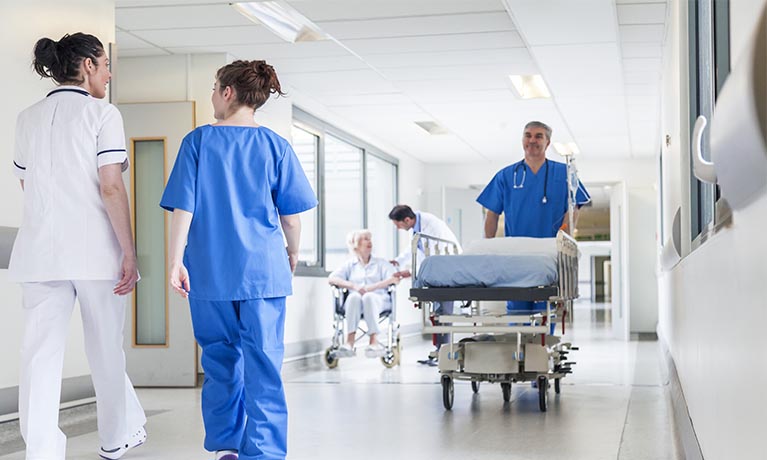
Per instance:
(543,393)
(506,391)
(447,392)
(330,360)
(390,359)
(475,386)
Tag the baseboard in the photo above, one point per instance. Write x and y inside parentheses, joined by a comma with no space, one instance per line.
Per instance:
(74,391)
(687,440)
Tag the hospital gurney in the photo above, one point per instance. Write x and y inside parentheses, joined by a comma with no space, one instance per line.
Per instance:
(504,348)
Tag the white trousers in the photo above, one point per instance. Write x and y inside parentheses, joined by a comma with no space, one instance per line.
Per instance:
(47,310)
(370,305)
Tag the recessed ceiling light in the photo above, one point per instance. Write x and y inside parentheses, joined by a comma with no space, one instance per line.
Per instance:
(282,19)
(529,86)
(566,149)
(432,127)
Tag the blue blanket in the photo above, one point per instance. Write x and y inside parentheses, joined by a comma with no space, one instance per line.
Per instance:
(487,271)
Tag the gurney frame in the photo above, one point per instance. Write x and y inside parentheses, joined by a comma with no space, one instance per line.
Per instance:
(500,348)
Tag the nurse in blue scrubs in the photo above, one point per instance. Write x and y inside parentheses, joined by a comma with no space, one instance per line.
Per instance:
(532,195)
(235,190)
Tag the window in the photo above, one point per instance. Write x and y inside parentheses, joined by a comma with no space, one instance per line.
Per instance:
(357,187)
(709,60)
(343,198)
(381,178)
(307,147)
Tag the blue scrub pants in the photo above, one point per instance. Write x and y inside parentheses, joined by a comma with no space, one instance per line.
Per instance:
(243,402)
(443,308)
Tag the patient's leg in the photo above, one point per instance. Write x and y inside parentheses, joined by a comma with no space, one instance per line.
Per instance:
(353,307)
(372,304)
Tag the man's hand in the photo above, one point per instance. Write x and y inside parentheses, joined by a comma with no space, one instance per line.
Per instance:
(403,274)
(394,262)
(129,278)
(179,280)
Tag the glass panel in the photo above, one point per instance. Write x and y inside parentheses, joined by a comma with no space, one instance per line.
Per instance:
(343,198)
(306,146)
(381,186)
(149,180)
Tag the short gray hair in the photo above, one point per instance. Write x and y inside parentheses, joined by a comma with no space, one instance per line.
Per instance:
(353,239)
(539,124)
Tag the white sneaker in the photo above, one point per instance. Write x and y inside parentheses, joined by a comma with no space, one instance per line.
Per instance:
(135,440)
(346,351)
(375,350)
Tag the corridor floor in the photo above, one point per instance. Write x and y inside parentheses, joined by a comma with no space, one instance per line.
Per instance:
(615,405)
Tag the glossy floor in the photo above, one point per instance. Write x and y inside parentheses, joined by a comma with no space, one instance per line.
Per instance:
(615,406)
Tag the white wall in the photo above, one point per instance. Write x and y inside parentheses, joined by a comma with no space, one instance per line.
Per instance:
(21,25)
(712,307)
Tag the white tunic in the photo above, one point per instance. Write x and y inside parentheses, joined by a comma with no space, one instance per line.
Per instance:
(65,233)
(431,225)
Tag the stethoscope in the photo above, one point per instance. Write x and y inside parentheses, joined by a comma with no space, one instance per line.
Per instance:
(519,185)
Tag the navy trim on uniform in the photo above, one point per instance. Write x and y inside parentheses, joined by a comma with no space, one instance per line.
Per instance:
(112,150)
(61,90)
(19,166)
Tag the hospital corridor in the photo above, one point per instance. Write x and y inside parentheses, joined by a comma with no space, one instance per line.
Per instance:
(363,229)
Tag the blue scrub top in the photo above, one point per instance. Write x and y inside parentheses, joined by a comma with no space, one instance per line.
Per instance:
(237,181)
(518,193)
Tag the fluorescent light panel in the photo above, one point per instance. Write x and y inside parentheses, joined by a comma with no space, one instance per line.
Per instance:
(529,86)
(432,127)
(566,149)
(282,19)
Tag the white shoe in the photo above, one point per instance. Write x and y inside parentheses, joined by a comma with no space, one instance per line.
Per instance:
(346,351)
(375,350)
(135,440)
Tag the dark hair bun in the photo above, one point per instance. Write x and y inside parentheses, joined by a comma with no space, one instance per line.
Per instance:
(253,81)
(61,60)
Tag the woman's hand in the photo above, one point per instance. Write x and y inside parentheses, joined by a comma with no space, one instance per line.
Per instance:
(179,280)
(129,278)
(362,289)
(293,259)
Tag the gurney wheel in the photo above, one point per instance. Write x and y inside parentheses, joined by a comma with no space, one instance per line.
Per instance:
(447,392)
(330,360)
(543,392)
(475,386)
(556,386)
(506,391)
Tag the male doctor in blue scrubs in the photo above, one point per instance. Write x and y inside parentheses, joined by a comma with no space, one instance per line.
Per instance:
(532,195)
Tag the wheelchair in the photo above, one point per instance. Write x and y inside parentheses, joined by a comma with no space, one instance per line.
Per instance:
(392,345)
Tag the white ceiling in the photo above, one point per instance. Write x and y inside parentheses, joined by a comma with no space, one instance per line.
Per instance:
(399,61)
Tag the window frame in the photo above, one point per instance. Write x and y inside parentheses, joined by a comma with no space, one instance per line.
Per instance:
(310,123)
(709,66)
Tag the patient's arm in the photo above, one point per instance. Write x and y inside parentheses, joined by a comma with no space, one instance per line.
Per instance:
(342,283)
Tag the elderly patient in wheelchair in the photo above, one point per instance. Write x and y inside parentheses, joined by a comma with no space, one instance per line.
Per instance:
(367,280)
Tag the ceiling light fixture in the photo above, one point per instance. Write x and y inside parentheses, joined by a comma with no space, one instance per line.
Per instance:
(570,148)
(432,127)
(282,19)
(529,86)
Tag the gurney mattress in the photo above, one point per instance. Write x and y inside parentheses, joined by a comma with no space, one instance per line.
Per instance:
(523,270)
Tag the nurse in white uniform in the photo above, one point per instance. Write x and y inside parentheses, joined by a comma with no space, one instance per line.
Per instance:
(75,242)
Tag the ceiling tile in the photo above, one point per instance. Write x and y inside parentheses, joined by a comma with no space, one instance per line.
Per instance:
(241,35)
(558,22)
(270,51)
(179,17)
(641,50)
(652,33)
(339,10)
(419,26)
(458,42)
(127,41)
(647,13)
(581,69)
(517,57)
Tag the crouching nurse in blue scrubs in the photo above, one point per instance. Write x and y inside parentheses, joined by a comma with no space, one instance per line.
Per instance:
(235,189)
(532,195)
